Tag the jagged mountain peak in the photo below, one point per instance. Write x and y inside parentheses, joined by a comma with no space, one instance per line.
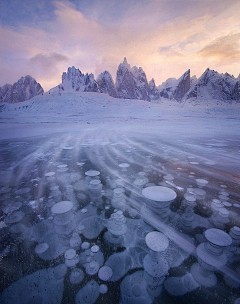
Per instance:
(106,84)
(124,65)
(213,85)
(131,82)
(174,88)
(24,89)
(75,80)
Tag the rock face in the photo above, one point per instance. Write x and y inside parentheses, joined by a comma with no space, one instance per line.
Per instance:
(124,82)
(166,88)
(153,92)
(212,85)
(106,84)
(140,83)
(182,87)
(131,82)
(176,88)
(75,80)
(24,89)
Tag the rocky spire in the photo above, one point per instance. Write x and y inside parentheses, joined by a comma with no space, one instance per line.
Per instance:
(140,83)
(182,87)
(24,89)
(124,82)
(106,84)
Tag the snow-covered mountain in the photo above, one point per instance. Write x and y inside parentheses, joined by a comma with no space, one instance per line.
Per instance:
(174,88)
(124,82)
(75,80)
(132,82)
(24,89)
(106,84)
(140,83)
(212,85)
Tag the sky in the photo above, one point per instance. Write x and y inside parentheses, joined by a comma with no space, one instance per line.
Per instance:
(42,38)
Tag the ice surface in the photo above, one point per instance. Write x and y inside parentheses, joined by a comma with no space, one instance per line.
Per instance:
(179,147)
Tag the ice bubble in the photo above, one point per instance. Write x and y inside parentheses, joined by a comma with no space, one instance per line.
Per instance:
(156,241)
(85,245)
(134,289)
(88,294)
(92,173)
(75,240)
(124,165)
(48,174)
(5,190)
(223,197)
(92,268)
(95,248)
(42,286)
(62,166)
(178,286)
(84,210)
(201,182)
(93,227)
(41,248)
(190,197)
(14,217)
(218,237)
(67,148)
(210,163)
(12,206)
(80,228)
(227,204)
(200,193)
(224,193)
(70,254)
(73,262)
(175,286)
(103,289)
(159,194)
(105,273)
(18,228)
(76,276)
(62,207)
(61,170)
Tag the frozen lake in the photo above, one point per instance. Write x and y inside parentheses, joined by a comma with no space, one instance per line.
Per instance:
(119,180)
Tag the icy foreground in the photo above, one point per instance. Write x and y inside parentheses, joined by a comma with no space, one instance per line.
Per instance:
(105,200)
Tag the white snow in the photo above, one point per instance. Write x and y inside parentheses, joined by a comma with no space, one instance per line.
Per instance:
(78,111)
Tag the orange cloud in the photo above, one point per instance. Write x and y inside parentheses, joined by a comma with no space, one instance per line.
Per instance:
(197,40)
(225,49)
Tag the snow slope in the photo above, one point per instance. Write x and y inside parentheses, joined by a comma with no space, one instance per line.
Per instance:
(89,109)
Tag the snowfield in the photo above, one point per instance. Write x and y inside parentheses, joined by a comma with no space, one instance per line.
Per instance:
(54,113)
(80,147)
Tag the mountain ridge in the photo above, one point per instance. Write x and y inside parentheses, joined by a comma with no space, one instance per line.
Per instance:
(132,83)
(23,89)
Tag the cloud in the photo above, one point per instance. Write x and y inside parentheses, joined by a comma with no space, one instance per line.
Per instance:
(225,49)
(169,51)
(164,37)
(47,61)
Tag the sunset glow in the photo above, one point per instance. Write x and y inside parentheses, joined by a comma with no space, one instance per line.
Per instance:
(165,37)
